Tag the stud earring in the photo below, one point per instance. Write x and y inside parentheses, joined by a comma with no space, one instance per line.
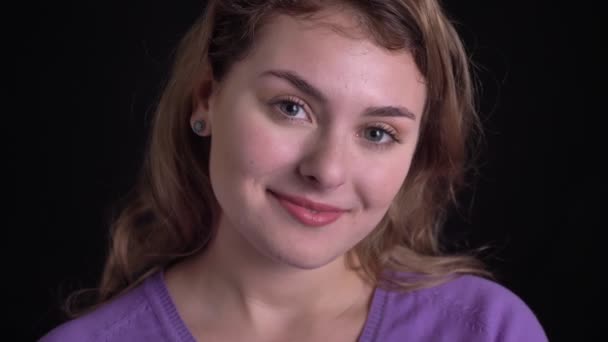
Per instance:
(198,126)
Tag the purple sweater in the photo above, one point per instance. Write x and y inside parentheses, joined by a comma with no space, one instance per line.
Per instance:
(465,309)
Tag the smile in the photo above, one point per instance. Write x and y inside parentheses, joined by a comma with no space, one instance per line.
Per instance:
(307,212)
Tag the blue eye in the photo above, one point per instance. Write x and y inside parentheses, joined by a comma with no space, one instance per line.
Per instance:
(380,134)
(290,108)
(375,134)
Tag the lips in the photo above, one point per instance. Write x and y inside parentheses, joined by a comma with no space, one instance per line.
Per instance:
(308,212)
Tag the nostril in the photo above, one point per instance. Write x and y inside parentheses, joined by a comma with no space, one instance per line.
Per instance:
(312,178)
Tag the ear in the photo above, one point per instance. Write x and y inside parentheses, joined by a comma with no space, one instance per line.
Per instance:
(202,102)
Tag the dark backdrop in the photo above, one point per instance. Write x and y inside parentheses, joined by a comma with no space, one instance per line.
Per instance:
(98,68)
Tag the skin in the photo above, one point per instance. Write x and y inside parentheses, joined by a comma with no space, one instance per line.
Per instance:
(267,276)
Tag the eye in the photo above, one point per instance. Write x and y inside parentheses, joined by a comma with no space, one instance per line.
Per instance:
(380,134)
(375,134)
(292,108)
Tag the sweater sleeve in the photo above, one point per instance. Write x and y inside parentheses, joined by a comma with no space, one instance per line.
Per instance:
(466,309)
(514,321)
(504,315)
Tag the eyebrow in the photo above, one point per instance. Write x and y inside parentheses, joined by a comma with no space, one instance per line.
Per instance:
(310,90)
(390,111)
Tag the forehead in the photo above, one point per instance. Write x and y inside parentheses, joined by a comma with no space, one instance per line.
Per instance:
(333,52)
(326,35)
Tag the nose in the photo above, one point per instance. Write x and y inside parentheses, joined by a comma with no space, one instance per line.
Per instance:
(325,166)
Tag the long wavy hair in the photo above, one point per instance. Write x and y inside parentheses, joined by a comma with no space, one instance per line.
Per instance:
(171,211)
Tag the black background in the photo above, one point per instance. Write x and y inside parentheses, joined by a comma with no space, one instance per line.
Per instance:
(98,67)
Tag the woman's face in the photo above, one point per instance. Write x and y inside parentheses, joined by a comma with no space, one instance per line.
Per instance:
(312,136)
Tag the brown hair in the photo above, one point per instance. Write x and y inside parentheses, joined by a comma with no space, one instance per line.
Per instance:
(172,209)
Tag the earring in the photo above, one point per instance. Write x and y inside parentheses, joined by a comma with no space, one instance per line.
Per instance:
(198,126)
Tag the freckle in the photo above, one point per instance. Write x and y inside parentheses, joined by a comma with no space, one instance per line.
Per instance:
(364,77)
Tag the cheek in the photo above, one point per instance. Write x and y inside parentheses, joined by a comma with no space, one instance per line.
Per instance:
(248,145)
(379,185)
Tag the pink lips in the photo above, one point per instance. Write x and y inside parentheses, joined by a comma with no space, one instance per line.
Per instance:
(308,212)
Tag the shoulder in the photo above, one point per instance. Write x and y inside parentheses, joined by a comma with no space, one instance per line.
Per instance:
(114,321)
(468,308)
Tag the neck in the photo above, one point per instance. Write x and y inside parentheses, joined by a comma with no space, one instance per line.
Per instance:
(233,277)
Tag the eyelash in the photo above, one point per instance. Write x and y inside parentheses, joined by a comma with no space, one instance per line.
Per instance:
(287,101)
(386,129)
(392,133)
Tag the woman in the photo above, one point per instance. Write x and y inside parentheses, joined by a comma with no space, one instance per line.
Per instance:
(302,158)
